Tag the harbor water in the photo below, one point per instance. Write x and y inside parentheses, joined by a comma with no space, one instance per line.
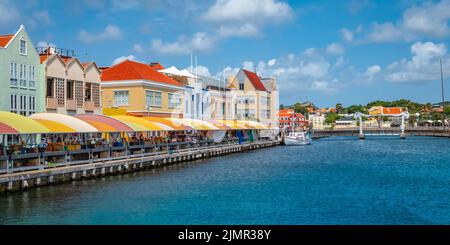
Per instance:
(333,181)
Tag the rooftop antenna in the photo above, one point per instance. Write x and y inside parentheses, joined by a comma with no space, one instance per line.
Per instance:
(442,94)
(192,69)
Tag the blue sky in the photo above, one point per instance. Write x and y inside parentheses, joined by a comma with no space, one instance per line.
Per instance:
(350,52)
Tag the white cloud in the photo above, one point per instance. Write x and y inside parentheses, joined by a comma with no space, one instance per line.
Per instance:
(248,11)
(123,58)
(335,48)
(138,48)
(200,70)
(423,66)
(111,32)
(272,62)
(371,71)
(227,72)
(385,32)
(200,41)
(248,65)
(430,19)
(347,35)
(225,19)
(245,30)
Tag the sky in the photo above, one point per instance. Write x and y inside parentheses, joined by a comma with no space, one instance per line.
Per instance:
(327,52)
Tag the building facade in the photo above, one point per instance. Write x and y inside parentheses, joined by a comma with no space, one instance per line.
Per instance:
(222,103)
(141,90)
(289,120)
(256,100)
(317,121)
(72,87)
(21,75)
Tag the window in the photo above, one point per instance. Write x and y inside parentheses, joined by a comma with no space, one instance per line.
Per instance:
(50,88)
(23,105)
(22,75)
(31,77)
(120,98)
(174,100)
(69,90)
(32,104)
(241,86)
(153,98)
(13,104)
(88,92)
(13,74)
(23,46)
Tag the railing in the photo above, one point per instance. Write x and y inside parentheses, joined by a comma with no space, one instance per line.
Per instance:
(50,159)
(52,103)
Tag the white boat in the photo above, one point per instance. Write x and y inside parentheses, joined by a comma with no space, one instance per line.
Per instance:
(297,138)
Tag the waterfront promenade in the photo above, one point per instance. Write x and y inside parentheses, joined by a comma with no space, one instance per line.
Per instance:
(409,131)
(136,158)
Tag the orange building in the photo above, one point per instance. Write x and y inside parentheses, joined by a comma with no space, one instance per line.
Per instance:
(381,110)
(288,119)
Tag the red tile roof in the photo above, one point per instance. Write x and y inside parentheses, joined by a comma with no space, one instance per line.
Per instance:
(43,57)
(132,70)
(254,79)
(4,40)
(392,110)
(156,66)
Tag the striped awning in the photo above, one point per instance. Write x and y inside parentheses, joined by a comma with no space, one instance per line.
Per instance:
(5,129)
(234,124)
(61,123)
(138,123)
(193,123)
(13,123)
(104,123)
(167,122)
(218,124)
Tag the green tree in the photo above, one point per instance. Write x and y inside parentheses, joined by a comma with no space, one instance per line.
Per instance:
(331,118)
(339,107)
(447,110)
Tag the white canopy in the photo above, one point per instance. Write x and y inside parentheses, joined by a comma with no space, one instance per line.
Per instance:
(187,73)
(174,71)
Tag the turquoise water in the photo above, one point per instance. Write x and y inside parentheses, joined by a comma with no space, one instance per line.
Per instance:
(332,181)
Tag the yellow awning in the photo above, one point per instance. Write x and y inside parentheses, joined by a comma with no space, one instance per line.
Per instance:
(55,127)
(23,125)
(234,124)
(138,123)
(252,124)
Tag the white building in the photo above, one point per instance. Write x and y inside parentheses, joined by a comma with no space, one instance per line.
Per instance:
(317,121)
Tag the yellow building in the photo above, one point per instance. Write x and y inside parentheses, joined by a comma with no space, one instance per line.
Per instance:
(141,90)
(257,98)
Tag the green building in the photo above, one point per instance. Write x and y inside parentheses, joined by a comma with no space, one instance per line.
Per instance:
(22,77)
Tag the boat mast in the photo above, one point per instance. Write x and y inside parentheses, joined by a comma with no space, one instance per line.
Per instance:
(442,93)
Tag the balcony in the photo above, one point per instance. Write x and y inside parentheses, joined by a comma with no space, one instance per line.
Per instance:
(89,106)
(52,103)
(71,104)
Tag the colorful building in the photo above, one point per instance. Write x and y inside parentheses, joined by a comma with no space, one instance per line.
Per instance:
(196,99)
(21,75)
(222,104)
(141,90)
(256,100)
(290,120)
(381,110)
(317,120)
(72,87)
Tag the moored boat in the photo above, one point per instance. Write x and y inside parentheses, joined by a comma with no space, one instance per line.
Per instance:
(297,138)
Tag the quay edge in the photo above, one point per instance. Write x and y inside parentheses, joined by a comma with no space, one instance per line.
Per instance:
(24,180)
